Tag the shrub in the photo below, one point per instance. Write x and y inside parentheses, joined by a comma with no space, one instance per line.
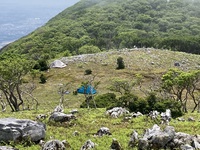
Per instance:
(43,78)
(120,63)
(88,71)
(174,106)
(151,99)
(102,101)
(41,65)
(160,104)
(133,103)
(89,49)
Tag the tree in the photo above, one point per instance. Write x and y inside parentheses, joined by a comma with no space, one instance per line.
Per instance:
(89,49)
(62,90)
(122,86)
(12,70)
(181,86)
(120,63)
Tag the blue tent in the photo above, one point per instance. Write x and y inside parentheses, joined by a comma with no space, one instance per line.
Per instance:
(86,90)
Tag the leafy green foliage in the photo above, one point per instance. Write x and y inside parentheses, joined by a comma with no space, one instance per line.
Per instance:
(174,106)
(88,49)
(90,26)
(41,65)
(160,104)
(12,70)
(133,103)
(182,85)
(102,101)
(122,86)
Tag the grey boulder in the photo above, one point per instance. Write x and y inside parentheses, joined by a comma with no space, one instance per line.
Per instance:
(17,130)
(7,148)
(61,117)
(54,145)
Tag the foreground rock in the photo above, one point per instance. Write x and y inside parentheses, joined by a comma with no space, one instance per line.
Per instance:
(88,145)
(7,148)
(115,145)
(155,138)
(17,130)
(117,112)
(103,131)
(61,117)
(54,145)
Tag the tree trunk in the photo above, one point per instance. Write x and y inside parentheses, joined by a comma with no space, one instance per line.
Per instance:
(8,100)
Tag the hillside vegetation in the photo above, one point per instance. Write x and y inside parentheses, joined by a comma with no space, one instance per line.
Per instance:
(150,64)
(107,24)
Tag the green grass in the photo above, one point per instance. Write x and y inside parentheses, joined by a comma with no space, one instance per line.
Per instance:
(90,121)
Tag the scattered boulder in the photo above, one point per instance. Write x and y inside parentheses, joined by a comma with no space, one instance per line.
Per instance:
(7,148)
(41,117)
(127,118)
(136,114)
(177,64)
(191,119)
(61,117)
(74,111)
(186,147)
(88,145)
(166,117)
(115,145)
(181,119)
(103,131)
(155,138)
(184,139)
(59,108)
(116,112)
(17,130)
(134,139)
(154,114)
(54,145)
(76,133)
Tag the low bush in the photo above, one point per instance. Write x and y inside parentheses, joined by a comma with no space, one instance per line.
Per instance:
(120,63)
(43,78)
(174,106)
(88,71)
(160,104)
(102,101)
(133,103)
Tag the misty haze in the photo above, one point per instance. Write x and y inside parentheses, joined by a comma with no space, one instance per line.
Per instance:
(20,17)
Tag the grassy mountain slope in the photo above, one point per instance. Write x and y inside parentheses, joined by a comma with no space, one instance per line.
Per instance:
(109,24)
(151,64)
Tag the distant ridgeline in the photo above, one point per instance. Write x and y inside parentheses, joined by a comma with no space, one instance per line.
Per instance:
(95,25)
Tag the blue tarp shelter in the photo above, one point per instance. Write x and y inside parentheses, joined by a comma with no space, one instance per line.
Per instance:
(86,90)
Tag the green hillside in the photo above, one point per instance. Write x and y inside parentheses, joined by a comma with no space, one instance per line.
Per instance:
(115,24)
(151,64)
